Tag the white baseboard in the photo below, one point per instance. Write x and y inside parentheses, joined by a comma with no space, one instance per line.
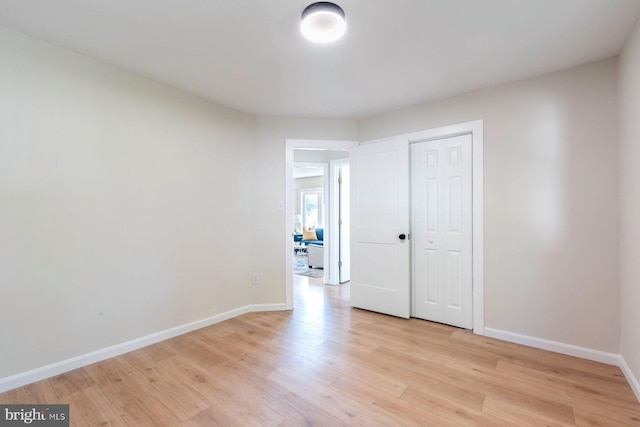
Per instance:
(558,347)
(267,307)
(633,381)
(63,366)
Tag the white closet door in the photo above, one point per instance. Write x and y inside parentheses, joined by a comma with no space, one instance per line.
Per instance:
(442,231)
(380,227)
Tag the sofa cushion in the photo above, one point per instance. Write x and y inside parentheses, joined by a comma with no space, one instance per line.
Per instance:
(309,233)
(318,240)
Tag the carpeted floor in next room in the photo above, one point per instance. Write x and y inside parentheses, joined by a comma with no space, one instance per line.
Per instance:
(301,267)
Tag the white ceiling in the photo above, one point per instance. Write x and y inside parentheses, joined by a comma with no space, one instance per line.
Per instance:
(249,54)
(307,171)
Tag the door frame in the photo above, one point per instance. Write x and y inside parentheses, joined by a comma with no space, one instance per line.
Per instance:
(475,129)
(290,145)
(334,244)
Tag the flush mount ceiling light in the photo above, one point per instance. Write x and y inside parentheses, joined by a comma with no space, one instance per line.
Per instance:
(323,22)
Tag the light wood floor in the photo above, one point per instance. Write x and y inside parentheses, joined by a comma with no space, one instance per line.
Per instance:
(327,364)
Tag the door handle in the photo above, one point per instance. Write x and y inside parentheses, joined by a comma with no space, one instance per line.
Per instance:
(402,236)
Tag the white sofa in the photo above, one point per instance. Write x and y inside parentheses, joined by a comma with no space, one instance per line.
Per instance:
(315,255)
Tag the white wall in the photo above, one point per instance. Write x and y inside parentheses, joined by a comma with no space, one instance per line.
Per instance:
(318,156)
(128,207)
(629,98)
(551,197)
(124,205)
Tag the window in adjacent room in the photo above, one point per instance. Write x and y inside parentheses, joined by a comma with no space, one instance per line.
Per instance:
(312,202)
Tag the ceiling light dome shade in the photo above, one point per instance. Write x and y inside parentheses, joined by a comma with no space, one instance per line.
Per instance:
(323,22)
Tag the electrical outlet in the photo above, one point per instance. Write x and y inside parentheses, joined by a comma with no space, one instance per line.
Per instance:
(255,278)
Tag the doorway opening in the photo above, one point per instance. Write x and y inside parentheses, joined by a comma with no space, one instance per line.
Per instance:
(310,215)
(314,201)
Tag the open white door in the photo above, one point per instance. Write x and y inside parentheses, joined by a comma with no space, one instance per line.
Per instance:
(339,220)
(344,223)
(380,227)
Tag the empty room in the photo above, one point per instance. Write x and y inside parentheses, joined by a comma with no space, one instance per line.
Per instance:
(462,249)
